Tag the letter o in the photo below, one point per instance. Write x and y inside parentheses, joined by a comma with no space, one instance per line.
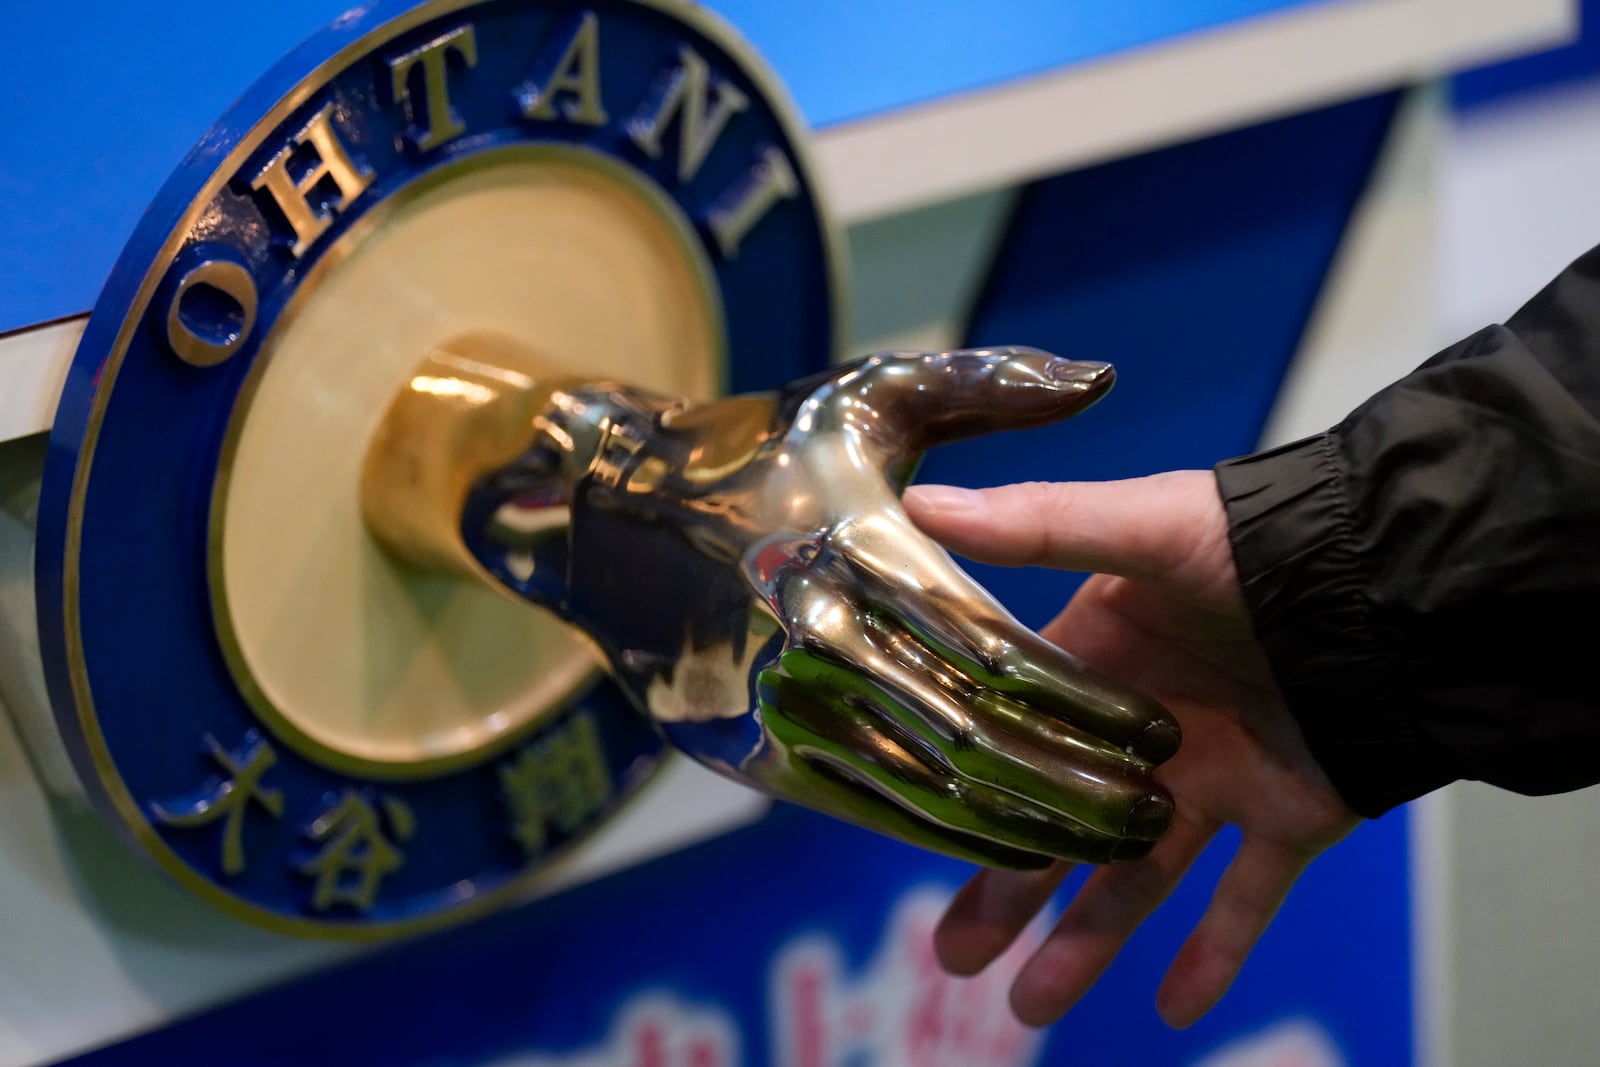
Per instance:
(210,329)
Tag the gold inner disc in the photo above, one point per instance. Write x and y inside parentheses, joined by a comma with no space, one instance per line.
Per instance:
(361,662)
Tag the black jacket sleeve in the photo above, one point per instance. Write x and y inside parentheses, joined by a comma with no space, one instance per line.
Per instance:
(1425,576)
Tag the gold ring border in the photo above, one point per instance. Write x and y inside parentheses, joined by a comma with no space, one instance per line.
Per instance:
(282,727)
(686,12)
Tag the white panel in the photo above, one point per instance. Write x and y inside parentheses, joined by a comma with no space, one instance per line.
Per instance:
(1520,201)
(22,686)
(1523,930)
(1196,84)
(33,366)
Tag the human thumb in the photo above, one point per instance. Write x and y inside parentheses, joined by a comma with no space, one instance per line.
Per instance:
(1142,528)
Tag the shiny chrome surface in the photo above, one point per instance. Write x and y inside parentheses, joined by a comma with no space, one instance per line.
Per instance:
(746,569)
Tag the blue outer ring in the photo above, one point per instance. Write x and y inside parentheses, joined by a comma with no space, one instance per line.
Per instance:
(135,675)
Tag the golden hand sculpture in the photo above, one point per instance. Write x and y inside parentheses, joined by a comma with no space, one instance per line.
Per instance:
(746,569)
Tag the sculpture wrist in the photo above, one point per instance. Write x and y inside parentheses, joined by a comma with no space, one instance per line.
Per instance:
(516,520)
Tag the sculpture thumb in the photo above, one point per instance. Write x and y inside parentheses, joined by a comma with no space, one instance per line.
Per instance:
(933,399)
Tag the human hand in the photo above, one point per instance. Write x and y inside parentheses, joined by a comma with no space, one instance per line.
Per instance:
(756,588)
(1163,612)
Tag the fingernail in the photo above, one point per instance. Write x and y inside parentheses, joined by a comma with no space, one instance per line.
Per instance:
(1149,818)
(1160,740)
(943,498)
(1079,371)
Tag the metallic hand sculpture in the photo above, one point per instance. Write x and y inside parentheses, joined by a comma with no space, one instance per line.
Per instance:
(746,568)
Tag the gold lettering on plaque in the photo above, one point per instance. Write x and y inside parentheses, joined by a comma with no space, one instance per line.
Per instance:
(560,780)
(212,312)
(357,853)
(435,121)
(229,799)
(574,69)
(702,109)
(772,179)
(299,198)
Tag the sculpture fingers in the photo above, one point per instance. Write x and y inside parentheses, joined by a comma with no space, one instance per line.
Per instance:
(915,400)
(967,734)
(822,723)
(912,578)
(857,658)
(842,773)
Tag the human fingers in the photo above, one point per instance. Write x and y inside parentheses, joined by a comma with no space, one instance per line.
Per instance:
(989,912)
(1169,526)
(915,400)
(1246,898)
(1098,922)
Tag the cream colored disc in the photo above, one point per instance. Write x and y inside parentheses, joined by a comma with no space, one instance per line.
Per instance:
(356,660)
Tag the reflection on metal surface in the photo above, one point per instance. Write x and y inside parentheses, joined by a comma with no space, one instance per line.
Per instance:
(465,410)
(746,568)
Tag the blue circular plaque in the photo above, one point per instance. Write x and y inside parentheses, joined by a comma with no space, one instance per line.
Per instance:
(293,726)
